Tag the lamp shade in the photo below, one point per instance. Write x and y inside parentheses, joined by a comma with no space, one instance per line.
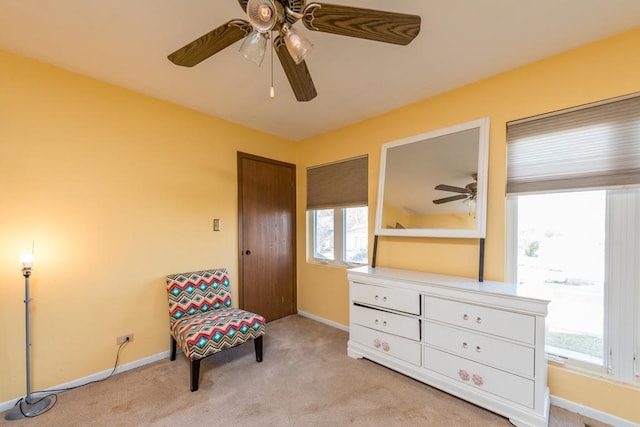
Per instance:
(26,260)
(254,46)
(297,45)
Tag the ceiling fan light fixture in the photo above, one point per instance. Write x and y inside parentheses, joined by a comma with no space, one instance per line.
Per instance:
(254,46)
(297,44)
(279,16)
(263,14)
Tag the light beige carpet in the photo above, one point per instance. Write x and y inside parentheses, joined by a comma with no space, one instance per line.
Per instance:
(306,379)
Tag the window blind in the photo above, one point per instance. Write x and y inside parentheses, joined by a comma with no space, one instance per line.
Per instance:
(340,184)
(595,146)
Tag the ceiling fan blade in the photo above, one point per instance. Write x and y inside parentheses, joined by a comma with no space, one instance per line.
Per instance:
(389,27)
(449,199)
(445,187)
(298,74)
(211,43)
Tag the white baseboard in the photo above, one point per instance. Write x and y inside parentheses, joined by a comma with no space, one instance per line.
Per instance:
(97,376)
(591,413)
(323,320)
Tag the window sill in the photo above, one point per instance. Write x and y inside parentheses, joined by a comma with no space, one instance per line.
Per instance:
(334,264)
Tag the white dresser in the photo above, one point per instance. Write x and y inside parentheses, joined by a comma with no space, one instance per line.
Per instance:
(480,341)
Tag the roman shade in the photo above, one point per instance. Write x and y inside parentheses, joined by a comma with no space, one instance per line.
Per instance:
(338,185)
(595,146)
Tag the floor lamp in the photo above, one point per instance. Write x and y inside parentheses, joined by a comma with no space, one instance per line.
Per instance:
(28,407)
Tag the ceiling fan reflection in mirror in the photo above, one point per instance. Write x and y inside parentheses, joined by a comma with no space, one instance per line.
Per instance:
(278,17)
(468,193)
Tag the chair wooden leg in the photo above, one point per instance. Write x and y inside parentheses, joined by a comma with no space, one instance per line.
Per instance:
(172,357)
(195,374)
(257,342)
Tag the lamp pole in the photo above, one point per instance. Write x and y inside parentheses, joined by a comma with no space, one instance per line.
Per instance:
(26,407)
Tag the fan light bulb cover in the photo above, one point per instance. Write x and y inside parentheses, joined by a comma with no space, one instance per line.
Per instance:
(253,47)
(297,45)
(262,14)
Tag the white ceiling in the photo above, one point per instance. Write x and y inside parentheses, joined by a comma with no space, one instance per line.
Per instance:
(126,42)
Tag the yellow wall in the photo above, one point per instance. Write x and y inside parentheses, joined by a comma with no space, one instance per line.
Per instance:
(117,190)
(394,218)
(594,72)
(452,220)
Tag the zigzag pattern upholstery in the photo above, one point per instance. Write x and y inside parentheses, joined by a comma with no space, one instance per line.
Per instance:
(202,321)
(207,333)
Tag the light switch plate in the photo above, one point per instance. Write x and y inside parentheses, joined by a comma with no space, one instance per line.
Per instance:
(216,224)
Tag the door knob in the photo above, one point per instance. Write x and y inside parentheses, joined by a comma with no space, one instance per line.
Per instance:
(247,252)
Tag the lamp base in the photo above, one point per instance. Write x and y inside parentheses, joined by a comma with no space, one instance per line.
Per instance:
(25,409)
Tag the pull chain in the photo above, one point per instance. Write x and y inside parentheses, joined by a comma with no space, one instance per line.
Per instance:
(272,93)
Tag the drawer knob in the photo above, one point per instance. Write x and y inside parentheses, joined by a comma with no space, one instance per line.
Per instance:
(384,323)
(478,319)
(477,380)
(376,343)
(478,349)
(465,317)
(385,346)
(376,297)
(464,375)
(465,345)
(384,299)
(377,321)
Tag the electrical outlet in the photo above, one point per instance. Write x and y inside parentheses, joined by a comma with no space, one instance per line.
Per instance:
(124,338)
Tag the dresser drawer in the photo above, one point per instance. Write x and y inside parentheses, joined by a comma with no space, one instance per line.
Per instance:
(515,326)
(478,376)
(392,345)
(393,299)
(396,324)
(495,352)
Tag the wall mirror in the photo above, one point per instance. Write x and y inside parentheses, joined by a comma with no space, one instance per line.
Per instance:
(435,184)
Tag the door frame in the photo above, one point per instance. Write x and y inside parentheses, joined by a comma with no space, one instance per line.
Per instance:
(242,156)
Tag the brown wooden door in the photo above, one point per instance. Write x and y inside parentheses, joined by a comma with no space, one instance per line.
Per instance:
(267,250)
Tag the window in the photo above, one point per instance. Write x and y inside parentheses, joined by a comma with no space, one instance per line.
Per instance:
(338,213)
(340,235)
(573,198)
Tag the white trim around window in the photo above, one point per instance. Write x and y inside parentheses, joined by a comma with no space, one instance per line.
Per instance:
(622,287)
(338,256)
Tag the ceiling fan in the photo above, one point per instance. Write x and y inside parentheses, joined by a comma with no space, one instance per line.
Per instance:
(279,16)
(469,192)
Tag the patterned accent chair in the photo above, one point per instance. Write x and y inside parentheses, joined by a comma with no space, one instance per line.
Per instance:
(202,321)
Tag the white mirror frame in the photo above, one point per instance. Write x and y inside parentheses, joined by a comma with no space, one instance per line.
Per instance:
(481,200)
